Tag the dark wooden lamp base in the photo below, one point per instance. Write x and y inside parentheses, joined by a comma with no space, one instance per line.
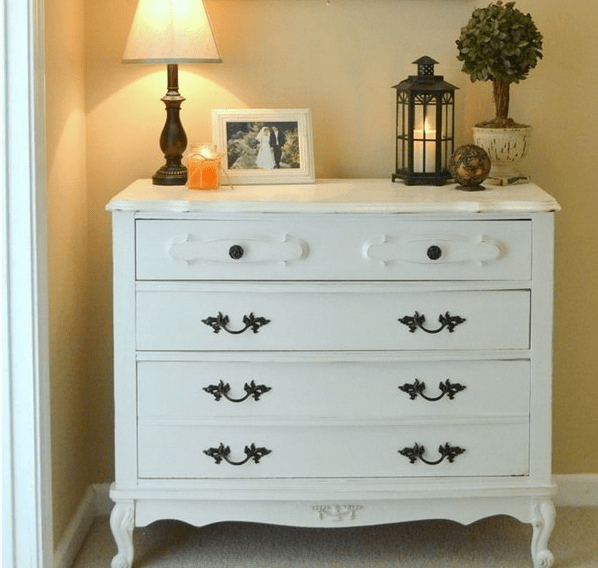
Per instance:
(173,140)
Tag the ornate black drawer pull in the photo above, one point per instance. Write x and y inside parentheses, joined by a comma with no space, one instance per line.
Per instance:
(251,389)
(446,388)
(417,321)
(417,452)
(221,321)
(222,452)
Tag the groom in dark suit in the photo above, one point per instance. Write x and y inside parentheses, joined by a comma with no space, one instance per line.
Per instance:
(277,140)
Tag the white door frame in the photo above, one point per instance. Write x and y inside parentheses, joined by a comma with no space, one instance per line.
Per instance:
(26,474)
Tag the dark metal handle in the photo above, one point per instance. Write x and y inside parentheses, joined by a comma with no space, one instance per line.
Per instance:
(221,321)
(236,252)
(417,452)
(447,388)
(417,321)
(434,252)
(222,452)
(251,389)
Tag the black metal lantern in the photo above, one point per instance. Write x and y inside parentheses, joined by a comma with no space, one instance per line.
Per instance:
(425,126)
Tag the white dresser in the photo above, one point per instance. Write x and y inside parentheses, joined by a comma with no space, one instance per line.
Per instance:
(344,353)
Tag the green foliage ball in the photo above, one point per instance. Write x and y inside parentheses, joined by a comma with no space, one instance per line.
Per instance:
(499,43)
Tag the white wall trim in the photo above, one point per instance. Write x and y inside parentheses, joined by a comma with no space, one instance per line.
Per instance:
(574,490)
(95,503)
(76,531)
(26,464)
(103,503)
(577,490)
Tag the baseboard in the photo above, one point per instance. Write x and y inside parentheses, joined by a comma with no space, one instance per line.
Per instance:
(576,490)
(103,502)
(95,503)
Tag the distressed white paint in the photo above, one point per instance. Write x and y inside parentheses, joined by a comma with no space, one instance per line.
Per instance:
(333,302)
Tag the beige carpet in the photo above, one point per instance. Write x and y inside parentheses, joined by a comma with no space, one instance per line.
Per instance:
(499,542)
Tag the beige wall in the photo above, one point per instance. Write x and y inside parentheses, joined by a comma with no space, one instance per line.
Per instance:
(561,102)
(341,61)
(67,248)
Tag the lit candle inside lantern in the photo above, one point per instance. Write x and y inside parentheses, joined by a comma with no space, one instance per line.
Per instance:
(427,148)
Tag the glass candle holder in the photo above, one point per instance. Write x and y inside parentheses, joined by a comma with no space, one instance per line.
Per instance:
(204,167)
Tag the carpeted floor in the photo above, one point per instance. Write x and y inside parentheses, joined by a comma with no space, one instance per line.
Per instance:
(498,542)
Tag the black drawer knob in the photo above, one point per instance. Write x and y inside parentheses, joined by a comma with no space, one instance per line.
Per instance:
(236,252)
(434,252)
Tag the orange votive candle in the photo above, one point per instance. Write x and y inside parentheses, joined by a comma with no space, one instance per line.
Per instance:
(204,165)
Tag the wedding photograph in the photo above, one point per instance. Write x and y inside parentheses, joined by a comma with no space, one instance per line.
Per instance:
(264,146)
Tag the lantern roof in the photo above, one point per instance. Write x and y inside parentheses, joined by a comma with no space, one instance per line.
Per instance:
(425,79)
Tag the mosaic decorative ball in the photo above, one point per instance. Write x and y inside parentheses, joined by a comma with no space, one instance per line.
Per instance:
(469,165)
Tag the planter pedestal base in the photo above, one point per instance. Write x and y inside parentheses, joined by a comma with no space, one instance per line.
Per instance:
(510,178)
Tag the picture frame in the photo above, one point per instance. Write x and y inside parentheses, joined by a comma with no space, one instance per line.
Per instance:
(264,146)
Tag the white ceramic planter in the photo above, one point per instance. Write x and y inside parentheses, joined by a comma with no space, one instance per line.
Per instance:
(506,148)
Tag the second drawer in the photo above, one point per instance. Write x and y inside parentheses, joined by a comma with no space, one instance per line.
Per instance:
(322,318)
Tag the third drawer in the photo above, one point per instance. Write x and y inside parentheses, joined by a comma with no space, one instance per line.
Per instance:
(190,390)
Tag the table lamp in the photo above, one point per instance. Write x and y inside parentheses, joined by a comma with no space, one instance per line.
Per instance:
(171,32)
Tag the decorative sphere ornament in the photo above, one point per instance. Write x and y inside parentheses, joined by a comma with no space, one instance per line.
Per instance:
(469,165)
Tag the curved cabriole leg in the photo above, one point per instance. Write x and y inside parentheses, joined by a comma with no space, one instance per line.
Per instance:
(122,522)
(543,517)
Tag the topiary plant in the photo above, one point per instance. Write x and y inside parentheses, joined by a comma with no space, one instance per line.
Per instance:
(499,44)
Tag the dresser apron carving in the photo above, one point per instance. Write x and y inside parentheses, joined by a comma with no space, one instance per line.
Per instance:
(343,353)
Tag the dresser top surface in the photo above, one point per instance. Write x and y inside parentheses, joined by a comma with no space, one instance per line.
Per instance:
(334,196)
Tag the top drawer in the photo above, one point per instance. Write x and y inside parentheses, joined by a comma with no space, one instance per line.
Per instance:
(347,247)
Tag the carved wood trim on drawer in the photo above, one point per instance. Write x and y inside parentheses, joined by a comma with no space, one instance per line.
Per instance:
(239,249)
(435,249)
(333,248)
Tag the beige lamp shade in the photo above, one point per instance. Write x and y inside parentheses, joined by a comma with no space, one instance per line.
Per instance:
(171,31)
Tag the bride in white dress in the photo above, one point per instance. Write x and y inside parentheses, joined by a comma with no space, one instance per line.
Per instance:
(265,155)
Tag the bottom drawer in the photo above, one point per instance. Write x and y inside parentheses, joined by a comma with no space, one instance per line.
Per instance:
(179,451)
